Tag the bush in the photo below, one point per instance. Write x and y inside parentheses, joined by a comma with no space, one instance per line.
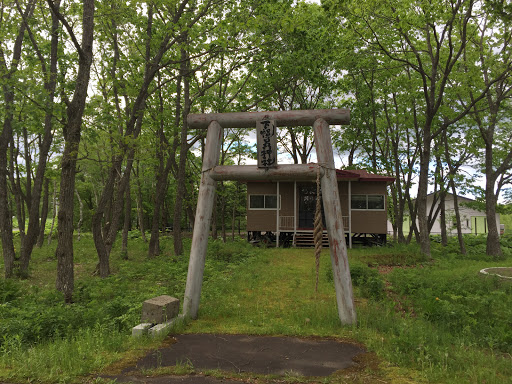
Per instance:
(9,290)
(462,303)
(369,281)
(229,252)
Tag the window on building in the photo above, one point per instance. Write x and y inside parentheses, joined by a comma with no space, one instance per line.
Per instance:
(359,202)
(374,202)
(262,201)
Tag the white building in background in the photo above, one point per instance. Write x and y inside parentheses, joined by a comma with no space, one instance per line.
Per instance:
(472,220)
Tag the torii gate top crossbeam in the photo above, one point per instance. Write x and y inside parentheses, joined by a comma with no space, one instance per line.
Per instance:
(282,118)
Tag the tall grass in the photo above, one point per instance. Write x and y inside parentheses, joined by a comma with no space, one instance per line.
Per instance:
(433,320)
(43,339)
(62,359)
(465,341)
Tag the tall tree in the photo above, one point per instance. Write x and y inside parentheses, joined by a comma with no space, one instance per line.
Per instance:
(429,38)
(49,74)
(8,68)
(492,114)
(71,132)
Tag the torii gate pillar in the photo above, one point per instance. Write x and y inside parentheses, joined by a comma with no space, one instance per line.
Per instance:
(320,119)
(204,209)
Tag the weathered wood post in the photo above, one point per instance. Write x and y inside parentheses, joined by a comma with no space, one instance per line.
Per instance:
(334,222)
(202,222)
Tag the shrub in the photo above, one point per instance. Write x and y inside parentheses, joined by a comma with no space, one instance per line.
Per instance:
(229,252)
(9,290)
(369,281)
(462,303)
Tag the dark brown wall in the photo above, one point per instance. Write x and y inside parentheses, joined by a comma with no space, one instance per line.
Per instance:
(369,221)
(286,192)
(362,221)
(261,219)
(343,191)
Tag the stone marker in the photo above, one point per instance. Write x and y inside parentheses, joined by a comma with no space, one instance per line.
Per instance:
(160,309)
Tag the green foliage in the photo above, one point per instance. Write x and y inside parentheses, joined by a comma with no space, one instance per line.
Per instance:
(460,302)
(455,338)
(507,220)
(34,318)
(9,291)
(231,252)
(369,281)
(273,294)
(393,254)
(475,247)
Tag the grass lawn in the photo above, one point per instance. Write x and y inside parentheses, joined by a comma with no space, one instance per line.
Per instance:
(422,320)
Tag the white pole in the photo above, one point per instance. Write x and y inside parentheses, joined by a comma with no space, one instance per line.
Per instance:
(277,215)
(202,223)
(350,214)
(294,211)
(334,221)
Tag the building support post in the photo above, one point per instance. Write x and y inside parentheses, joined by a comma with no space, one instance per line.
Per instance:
(202,224)
(334,222)
(350,214)
(278,206)
(294,211)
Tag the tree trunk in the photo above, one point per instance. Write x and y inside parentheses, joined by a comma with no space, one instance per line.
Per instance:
(5,214)
(180,192)
(421,200)
(81,218)
(134,120)
(6,137)
(191,216)
(460,236)
(140,209)
(44,212)
(104,239)
(161,182)
(214,216)
(64,252)
(34,195)
(493,236)
(54,215)
(126,224)
(154,240)
(18,195)
(442,203)
(72,131)
(223,211)
(233,215)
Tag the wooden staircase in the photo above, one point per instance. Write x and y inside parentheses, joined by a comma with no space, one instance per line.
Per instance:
(305,239)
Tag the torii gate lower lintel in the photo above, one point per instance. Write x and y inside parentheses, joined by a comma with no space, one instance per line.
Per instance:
(320,120)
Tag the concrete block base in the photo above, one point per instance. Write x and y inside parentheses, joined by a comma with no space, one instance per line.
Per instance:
(156,330)
(141,329)
(160,309)
(164,328)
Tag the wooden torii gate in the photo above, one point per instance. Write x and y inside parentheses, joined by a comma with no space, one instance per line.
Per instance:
(212,172)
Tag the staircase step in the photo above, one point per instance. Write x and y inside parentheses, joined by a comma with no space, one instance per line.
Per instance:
(306,240)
